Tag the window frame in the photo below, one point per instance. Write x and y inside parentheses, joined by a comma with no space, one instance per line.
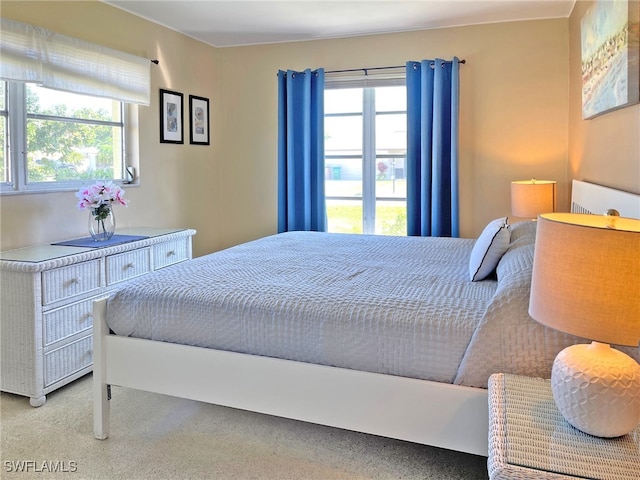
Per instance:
(369,156)
(15,144)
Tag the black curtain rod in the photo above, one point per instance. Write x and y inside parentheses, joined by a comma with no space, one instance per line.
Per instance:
(365,70)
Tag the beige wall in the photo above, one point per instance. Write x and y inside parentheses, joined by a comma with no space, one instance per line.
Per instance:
(514,120)
(605,149)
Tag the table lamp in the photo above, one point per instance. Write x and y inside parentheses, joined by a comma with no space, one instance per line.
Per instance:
(529,198)
(586,282)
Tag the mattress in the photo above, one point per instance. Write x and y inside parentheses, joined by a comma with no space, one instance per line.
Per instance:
(393,305)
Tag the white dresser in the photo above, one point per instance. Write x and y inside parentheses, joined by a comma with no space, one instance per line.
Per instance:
(46,302)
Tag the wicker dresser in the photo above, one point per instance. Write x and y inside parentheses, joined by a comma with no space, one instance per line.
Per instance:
(46,302)
(529,438)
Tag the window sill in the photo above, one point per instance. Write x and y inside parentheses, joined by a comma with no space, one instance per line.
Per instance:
(7,192)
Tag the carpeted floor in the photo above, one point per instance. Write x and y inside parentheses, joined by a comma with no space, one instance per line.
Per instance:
(160,437)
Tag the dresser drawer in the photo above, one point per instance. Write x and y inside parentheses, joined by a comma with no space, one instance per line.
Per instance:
(168,253)
(66,282)
(125,266)
(67,321)
(67,360)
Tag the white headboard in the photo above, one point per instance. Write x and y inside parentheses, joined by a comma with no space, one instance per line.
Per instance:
(597,199)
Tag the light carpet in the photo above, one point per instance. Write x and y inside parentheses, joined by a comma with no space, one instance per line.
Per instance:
(160,437)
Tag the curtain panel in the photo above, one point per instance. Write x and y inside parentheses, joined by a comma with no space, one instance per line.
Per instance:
(36,55)
(301,202)
(432,148)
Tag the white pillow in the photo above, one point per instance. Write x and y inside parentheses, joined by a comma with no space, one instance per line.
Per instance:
(492,243)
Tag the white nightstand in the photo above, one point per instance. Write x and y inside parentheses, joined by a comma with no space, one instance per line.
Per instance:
(529,438)
(46,303)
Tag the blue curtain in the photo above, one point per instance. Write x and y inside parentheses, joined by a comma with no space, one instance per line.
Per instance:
(301,202)
(432,148)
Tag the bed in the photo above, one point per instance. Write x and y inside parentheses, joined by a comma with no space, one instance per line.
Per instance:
(382,335)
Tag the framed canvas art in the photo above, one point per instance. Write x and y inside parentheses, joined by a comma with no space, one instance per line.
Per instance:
(171,123)
(198,120)
(610,57)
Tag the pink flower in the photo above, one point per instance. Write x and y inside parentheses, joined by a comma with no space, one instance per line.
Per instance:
(100,195)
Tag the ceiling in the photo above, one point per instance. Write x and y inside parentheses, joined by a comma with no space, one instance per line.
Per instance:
(251,22)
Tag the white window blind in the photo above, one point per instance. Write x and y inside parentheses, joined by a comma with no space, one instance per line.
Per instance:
(365,78)
(34,54)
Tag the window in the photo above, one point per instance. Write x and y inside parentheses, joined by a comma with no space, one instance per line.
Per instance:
(365,154)
(54,140)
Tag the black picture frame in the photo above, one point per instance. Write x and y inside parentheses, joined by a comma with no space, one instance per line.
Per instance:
(198,120)
(171,117)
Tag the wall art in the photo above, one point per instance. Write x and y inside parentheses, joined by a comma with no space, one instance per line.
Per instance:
(198,120)
(171,123)
(610,57)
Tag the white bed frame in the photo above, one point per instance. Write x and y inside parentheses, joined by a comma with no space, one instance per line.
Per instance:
(596,199)
(448,416)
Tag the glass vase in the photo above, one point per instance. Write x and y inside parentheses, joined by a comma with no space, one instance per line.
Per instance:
(102,226)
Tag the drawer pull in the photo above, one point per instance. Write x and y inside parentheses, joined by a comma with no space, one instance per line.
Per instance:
(171,253)
(74,281)
(128,266)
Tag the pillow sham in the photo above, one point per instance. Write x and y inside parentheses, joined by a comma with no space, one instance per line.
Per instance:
(492,243)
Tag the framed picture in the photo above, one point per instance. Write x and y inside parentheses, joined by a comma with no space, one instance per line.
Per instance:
(171,124)
(199,120)
(610,57)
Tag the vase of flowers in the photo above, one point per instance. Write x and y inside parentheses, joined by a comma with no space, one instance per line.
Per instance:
(99,199)
(102,225)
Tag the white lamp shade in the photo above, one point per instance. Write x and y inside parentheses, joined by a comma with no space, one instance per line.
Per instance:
(529,198)
(586,277)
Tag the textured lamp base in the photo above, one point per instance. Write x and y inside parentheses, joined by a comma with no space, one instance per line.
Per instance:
(597,389)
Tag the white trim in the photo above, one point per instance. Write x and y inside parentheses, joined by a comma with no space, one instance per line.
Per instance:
(368,161)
